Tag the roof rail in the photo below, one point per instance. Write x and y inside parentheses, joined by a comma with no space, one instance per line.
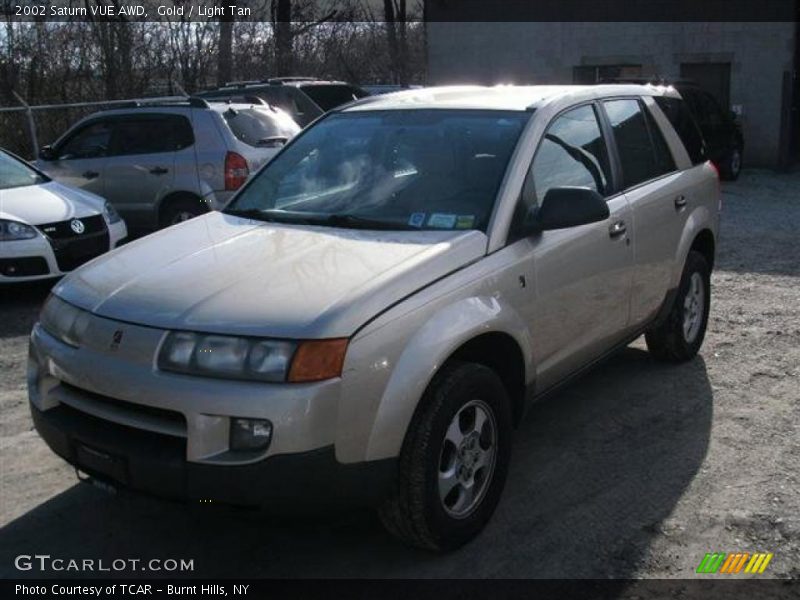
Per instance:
(243,99)
(241,83)
(191,101)
(282,80)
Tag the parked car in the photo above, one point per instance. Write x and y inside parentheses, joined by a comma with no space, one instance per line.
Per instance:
(368,319)
(48,229)
(720,127)
(162,163)
(379,89)
(304,98)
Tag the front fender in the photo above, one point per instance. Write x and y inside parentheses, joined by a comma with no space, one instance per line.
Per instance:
(394,363)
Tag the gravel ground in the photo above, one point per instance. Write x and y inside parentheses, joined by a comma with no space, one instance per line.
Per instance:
(636,470)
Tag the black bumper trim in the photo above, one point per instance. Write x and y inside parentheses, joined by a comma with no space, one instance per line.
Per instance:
(155,464)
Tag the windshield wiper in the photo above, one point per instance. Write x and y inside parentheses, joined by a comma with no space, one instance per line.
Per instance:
(272,215)
(357,222)
(346,220)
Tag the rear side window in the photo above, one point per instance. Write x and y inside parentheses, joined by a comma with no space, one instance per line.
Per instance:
(328,97)
(681,119)
(151,134)
(259,127)
(638,154)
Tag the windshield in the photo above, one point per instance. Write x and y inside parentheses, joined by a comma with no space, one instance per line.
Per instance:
(15,173)
(394,169)
(260,126)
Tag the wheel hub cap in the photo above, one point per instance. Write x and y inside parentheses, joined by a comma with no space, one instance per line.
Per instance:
(467,459)
(693,308)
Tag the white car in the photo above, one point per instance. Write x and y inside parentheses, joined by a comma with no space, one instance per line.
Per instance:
(46,228)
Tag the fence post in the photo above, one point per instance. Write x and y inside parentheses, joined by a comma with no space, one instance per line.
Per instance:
(31,124)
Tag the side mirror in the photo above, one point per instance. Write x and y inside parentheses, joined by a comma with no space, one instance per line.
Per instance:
(47,153)
(565,207)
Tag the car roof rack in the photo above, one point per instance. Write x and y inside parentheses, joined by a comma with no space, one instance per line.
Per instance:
(291,79)
(243,99)
(645,80)
(192,101)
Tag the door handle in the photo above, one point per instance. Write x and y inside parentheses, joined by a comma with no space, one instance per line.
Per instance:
(91,174)
(617,229)
(680,201)
(159,171)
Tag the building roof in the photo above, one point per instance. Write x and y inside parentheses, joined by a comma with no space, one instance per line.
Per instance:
(500,97)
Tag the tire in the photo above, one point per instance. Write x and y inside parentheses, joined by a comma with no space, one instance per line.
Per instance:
(181,209)
(455,397)
(679,337)
(732,166)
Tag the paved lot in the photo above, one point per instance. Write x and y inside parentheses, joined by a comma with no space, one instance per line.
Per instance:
(636,470)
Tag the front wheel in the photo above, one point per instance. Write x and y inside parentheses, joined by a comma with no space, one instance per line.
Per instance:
(681,334)
(454,460)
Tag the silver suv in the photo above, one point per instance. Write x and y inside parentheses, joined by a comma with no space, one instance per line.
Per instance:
(162,163)
(369,317)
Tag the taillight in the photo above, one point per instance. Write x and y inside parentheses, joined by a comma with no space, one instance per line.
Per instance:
(236,171)
(715,167)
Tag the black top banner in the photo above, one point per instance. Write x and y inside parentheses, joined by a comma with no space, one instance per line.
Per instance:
(428,10)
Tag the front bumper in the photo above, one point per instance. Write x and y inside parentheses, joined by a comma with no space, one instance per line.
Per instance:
(106,408)
(34,259)
(155,464)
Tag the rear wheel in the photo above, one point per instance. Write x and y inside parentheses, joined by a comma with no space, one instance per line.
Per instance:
(180,210)
(454,460)
(732,166)
(680,335)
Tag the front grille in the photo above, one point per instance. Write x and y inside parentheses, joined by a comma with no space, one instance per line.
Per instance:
(71,248)
(61,230)
(24,266)
(72,253)
(137,416)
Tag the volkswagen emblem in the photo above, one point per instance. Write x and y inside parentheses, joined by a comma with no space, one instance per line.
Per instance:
(77,226)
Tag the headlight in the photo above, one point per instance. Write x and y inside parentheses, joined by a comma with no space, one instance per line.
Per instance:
(111,214)
(14,230)
(63,321)
(251,358)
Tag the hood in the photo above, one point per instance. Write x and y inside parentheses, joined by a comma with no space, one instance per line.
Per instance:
(224,274)
(48,203)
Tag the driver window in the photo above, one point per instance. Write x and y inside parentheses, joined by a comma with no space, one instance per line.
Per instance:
(572,153)
(90,142)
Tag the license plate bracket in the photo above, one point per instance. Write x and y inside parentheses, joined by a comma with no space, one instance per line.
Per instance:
(96,461)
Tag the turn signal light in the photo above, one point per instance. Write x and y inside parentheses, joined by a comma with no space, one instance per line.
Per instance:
(316,360)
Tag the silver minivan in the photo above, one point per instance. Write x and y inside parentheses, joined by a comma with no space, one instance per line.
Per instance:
(162,163)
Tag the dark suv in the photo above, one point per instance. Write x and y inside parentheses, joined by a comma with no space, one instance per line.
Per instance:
(720,128)
(304,98)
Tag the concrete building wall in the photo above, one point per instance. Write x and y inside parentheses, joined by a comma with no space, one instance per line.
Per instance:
(498,52)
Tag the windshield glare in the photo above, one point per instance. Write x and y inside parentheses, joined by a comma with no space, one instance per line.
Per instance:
(403,169)
(15,173)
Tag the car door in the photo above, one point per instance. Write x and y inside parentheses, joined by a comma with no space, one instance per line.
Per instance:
(141,167)
(582,274)
(658,196)
(80,157)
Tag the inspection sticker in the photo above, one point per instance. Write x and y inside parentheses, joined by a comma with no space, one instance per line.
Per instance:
(442,221)
(465,221)
(416,219)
